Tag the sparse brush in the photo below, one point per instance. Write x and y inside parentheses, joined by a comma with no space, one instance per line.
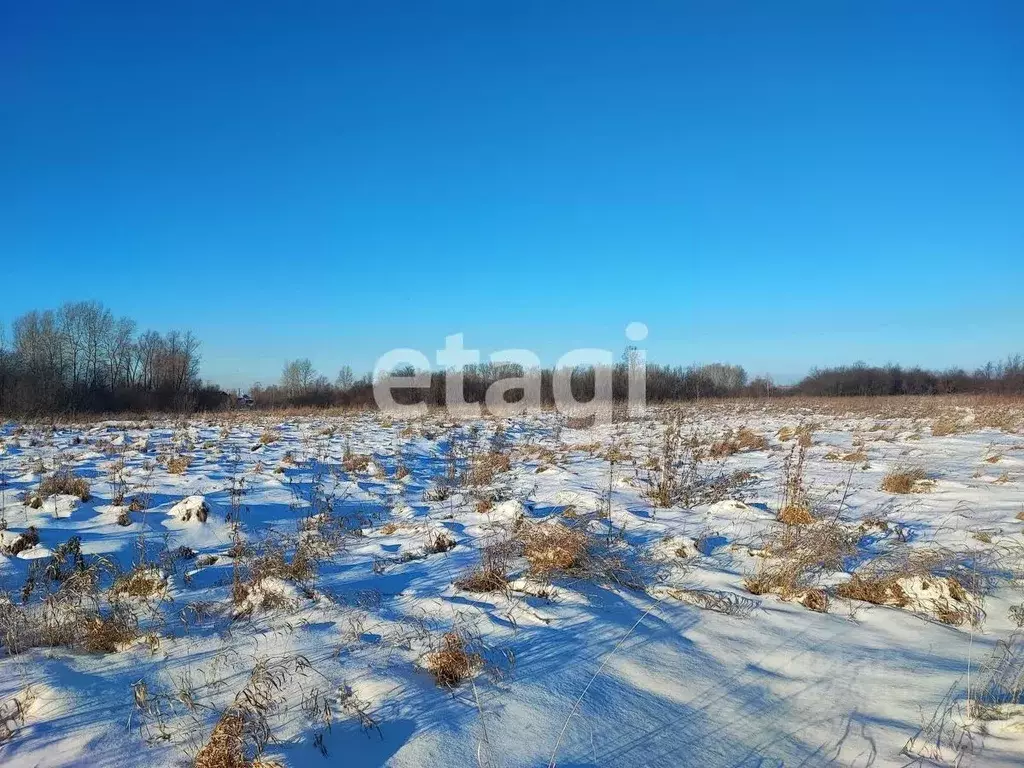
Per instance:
(243,731)
(882,590)
(139,582)
(178,465)
(356,462)
(64,481)
(743,439)
(440,542)
(552,548)
(795,507)
(904,480)
(452,663)
(485,467)
(946,424)
(484,578)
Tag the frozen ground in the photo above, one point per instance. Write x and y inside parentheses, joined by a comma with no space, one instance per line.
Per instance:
(277,570)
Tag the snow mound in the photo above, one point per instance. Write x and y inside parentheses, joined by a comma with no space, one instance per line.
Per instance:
(508,510)
(675,548)
(731,507)
(189,508)
(585,500)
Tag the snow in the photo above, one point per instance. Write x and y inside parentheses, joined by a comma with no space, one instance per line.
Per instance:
(690,669)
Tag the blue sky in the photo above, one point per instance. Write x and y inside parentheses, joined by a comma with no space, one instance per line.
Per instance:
(778,184)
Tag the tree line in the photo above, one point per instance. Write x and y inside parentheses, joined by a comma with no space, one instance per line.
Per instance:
(80,358)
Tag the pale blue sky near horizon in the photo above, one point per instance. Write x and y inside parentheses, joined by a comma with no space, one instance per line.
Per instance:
(779,185)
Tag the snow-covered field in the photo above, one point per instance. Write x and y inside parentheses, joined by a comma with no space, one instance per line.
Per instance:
(356,590)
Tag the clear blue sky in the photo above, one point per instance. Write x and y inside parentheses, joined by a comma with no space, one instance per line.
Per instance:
(772,184)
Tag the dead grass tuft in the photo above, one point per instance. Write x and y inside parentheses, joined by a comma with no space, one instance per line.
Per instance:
(64,481)
(880,590)
(486,466)
(554,548)
(743,439)
(946,424)
(139,582)
(904,480)
(440,542)
(483,578)
(452,662)
(178,465)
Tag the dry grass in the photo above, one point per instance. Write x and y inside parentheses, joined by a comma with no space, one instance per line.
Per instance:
(356,462)
(452,663)
(741,440)
(64,481)
(880,590)
(178,465)
(440,542)
(795,505)
(796,557)
(483,578)
(486,466)
(243,731)
(552,548)
(139,582)
(904,480)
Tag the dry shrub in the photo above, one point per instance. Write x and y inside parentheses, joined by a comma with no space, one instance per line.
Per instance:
(879,590)
(440,542)
(356,462)
(243,731)
(24,541)
(486,466)
(483,578)
(946,424)
(139,582)
(64,481)
(554,548)
(743,439)
(816,600)
(795,506)
(178,465)
(904,480)
(452,662)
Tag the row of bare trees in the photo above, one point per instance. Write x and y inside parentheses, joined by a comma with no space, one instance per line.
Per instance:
(1003,378)
(80,357)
